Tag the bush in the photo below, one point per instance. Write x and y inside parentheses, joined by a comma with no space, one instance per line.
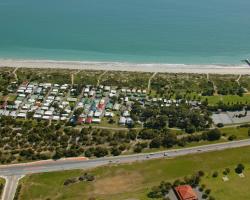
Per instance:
(201,173)
(239,169)
(70,181)
(232,137)
(90,177)
(213,135)
(215,174)
(220,125)
(207,191)
(115,151)
(155,143)
(227,170)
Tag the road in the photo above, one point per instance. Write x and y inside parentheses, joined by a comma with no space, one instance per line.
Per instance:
(17,170)
(10,186)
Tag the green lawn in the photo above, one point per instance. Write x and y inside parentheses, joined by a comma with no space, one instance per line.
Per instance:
(2,181)
(235,188)
(240,133)
(133,181)
(213,100)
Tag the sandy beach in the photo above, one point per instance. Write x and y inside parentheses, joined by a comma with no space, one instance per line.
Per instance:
(138,67)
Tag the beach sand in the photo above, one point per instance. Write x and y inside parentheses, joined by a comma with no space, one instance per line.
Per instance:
(117,66)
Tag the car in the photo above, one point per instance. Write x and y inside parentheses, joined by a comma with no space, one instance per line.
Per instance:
(165,154)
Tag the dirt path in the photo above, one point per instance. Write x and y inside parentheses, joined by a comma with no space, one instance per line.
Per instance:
(99,78)
(238,79)
(14,73)
(149,81)
(72,76)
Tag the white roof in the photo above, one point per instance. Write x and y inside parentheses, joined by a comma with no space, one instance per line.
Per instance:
(13,114)
(46,117)
(97,114)
(20,91)
(48,113)
(36,116)
(63,118)
(56,118)
(51,97)
(96,120)
(23,115)
(122,120)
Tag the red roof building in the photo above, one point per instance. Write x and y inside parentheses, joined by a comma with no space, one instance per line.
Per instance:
(88,120)
(185,192)
(80,120)
(101,106)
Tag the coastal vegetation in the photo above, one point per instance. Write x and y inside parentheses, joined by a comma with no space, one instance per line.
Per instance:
(164,111)
(35,140)
(135,181)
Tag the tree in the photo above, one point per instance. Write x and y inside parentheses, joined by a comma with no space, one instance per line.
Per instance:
(115,151)
(155,193)
(207,191)
(232,137)
(240,168)
(58,154)
(155,143)
(190,129)
(169,140)
(220,125)
(100,152)
(214,134)
(215,174)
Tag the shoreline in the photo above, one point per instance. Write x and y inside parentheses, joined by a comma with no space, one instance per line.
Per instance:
(131,67)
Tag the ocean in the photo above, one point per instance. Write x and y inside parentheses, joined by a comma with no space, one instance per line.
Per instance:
(141,31)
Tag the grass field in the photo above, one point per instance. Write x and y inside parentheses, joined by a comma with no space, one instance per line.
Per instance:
(133,181)
(240,133)
(213,100)
(2,181)
(235,188)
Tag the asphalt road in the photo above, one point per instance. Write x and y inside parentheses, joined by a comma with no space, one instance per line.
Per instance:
(10,186)
(47,166)
(15,171)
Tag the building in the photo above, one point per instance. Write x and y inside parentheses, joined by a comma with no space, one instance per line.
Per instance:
(185,192)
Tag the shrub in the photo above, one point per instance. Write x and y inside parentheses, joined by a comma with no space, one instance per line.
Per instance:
(239,169)
(215,174)
(207,191)
(201,173)
(214,134)
(227,170)
(69,181)
(220,125)
(232,137)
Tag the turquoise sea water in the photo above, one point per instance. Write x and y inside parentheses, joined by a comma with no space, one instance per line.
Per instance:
(167,31)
